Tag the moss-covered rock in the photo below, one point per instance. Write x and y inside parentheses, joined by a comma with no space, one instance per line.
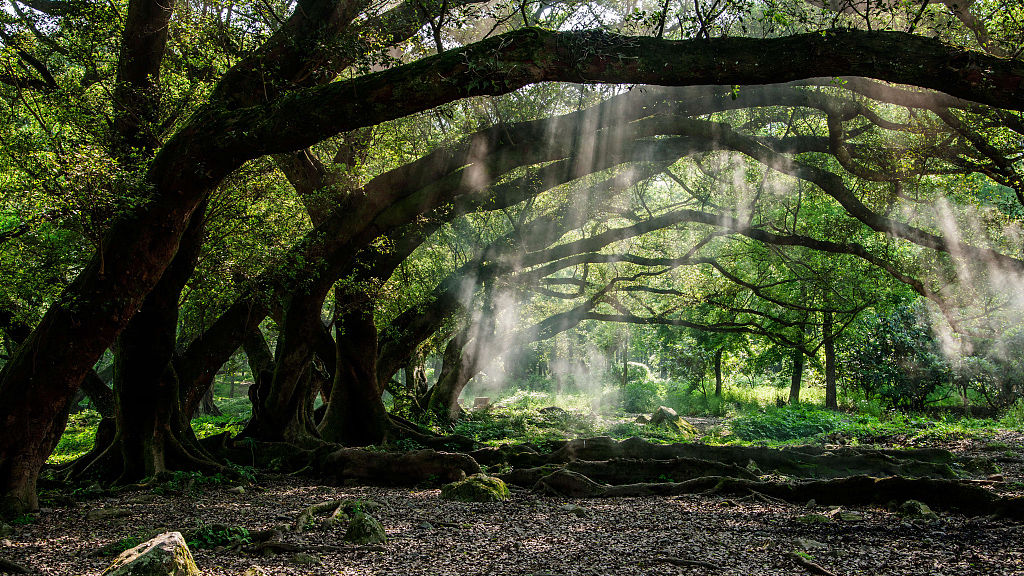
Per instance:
(814,519)
(165,555)
(917,509)
(365,529)
(476,488)
(667,417)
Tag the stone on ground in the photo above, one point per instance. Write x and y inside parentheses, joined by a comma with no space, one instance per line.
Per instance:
(476,488)
(665,416)
(917,509)
(165,555)
(106,513)
(365,529)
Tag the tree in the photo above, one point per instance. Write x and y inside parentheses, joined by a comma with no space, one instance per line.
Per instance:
(160,159)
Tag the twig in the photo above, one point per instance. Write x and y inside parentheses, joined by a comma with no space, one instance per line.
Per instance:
(810,566)
(682,562)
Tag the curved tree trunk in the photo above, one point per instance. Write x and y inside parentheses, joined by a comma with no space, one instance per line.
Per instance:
(282,415)
(153,434)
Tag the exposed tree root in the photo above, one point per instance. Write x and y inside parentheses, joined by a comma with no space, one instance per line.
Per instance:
(800,461)
(629,471)
(287,547)
(856,490)
(13,567)
(396,468)
(338,510)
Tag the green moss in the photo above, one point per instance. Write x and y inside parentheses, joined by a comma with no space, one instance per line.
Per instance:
(476,488)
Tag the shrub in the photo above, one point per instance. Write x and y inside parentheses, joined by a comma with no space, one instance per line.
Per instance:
(642,395)
(1014,417)
(785,423)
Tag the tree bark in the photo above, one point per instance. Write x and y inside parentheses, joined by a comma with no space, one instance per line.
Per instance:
(718,372)
(153,434)
(798,372)
(829,346)
(356,415)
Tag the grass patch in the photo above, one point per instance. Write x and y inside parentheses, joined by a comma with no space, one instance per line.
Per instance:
(78,437)
(785,423)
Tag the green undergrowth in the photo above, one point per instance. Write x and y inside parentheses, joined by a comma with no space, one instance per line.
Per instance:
(809,424)
(77,439)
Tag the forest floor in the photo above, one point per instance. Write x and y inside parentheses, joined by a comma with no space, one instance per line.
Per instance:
(531,534)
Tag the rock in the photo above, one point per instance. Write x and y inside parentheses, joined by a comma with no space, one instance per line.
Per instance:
(668,417)
(165,555)
(303,559)
(365,529)
(107,513)
(808,544)
(236,490)
(143,499)
(576,510)
(917,509)
(850,516)
(476,488)
(6,530)
(256,571)
(814,519)
(641,419)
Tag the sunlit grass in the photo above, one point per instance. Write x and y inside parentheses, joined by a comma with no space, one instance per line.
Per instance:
(78,437)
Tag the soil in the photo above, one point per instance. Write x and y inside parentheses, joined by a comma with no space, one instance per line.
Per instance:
(531,534)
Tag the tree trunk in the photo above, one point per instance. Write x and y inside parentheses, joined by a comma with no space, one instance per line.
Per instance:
(798,371)
(356,415)
(416,376)
(283,415)
(718,372)
(444,396)
(153,434)
(829,345)
(207,407)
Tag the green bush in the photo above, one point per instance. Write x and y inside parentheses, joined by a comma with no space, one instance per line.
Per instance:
(1014,417)
(643,395)
(785,423)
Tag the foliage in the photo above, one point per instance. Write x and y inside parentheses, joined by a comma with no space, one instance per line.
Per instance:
(1014,417)
(895,356)
(785,423)
(78,437)
(218,535)
(642,395)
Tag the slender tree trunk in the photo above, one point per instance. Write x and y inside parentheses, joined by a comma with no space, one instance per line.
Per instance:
(444,396)
(831,397)
(718,372)
(798,372)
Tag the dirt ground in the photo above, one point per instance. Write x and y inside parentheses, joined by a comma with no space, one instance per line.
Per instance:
(537,535)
